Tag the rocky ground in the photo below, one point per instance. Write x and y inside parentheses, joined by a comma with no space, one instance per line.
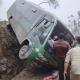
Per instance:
(9,46)
(11,68)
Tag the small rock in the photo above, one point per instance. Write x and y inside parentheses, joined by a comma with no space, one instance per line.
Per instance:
(3,68)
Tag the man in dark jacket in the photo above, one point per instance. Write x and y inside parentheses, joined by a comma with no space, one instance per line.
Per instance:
(60,48)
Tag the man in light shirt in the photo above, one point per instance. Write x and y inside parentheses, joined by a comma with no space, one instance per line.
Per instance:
(73,58)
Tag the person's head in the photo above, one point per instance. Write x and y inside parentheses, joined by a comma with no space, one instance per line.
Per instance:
(61,36)
(77,39)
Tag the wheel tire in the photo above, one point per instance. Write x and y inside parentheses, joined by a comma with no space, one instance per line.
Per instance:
(23,49)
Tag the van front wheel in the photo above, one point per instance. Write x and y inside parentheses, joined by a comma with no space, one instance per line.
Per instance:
(23,50)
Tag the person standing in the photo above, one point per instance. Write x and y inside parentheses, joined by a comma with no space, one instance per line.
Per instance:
(73,59)
(60,48)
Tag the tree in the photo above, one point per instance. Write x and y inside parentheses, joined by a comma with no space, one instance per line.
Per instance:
(53,3)
(74,24)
